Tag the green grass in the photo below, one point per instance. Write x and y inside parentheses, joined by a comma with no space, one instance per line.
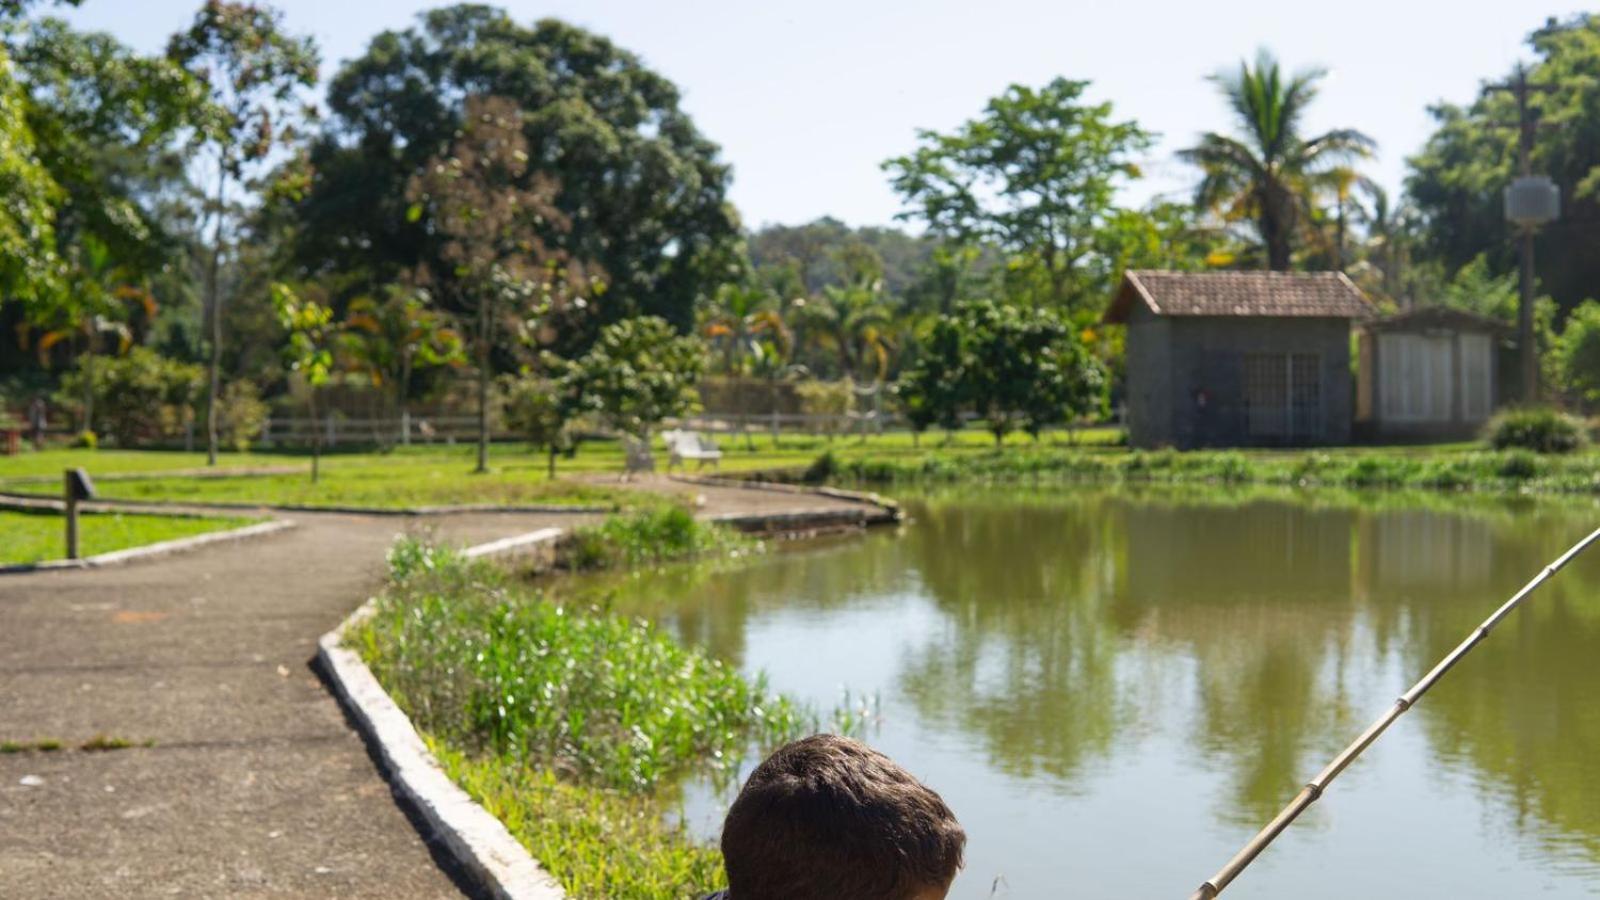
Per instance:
(29,537)
(1457,467)
(571,725)
(439,475)
(650,537)
(42,745)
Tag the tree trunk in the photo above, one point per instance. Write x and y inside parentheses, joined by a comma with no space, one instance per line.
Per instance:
(483,388)
(316,436)
(552,471)
(214,303)
(88,387)
(403,398)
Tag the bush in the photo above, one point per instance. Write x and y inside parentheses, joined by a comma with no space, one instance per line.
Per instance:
(1575,358)
(823,469)
(1540,429)
(827,398)
(86,440)
(1518,465)
(241,414)
(649,537)
(140,397)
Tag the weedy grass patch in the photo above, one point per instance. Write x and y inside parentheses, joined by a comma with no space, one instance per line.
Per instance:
(569,724)
(650,537)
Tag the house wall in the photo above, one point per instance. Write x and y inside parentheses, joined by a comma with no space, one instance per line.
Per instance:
(1204,371)
(1461,422)
(1148,347)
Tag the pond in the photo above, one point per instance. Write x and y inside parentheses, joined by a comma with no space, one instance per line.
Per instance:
(1115,689)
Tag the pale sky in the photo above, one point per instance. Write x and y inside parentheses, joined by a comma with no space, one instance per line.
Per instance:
(807,98)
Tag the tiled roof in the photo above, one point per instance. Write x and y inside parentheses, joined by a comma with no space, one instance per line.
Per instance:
(1311,294)
(1426,318)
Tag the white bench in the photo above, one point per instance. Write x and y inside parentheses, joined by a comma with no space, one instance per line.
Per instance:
(690,445)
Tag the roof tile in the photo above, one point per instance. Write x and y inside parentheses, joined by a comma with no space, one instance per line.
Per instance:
(1311,294)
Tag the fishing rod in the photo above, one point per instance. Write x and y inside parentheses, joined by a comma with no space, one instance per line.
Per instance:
(1314,789)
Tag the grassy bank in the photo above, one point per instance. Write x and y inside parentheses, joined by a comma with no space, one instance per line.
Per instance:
(30,537)
(1454,468)
(570,725)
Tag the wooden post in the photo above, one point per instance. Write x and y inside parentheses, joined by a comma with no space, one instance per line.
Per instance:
(72,515)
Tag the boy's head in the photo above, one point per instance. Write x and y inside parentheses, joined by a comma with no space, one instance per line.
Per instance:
(827,818)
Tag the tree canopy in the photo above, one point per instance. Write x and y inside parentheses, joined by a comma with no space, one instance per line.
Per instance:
(1035,175)
(644,192)
(1268,173)
(1457,178)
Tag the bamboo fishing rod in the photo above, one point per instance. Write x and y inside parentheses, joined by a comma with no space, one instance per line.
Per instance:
(1314,789)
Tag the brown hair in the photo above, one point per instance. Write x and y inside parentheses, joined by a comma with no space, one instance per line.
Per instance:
(827,817)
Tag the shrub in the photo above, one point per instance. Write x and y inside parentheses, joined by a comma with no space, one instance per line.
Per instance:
(648,537)
(241,414)
(1540,429)
(1575,358)
(86,440)
(1518,465)
(822,469)
(139,397)
(827,398)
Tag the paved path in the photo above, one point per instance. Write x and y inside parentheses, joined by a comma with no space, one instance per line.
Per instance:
(255,785)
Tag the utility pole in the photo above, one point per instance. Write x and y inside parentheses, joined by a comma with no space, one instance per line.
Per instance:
(1530,202)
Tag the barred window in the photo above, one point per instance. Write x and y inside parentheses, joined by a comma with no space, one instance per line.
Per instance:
(1283,395)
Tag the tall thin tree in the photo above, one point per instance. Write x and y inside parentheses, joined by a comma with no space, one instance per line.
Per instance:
(253,72)
(495,219)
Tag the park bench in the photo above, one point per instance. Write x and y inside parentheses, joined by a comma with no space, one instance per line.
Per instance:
(690,445)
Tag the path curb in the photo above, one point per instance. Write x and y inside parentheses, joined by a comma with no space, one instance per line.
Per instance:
(889,509)
(148,551)
(477,841)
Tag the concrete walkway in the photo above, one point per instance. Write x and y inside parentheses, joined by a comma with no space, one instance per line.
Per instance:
(255,785)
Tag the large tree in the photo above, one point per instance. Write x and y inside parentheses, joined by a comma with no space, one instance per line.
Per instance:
(253,72)
(1269,173)
(30,268)
(1457,179)
(1035,175)
(643,190)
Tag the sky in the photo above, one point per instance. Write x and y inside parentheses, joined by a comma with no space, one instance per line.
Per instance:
(808,98)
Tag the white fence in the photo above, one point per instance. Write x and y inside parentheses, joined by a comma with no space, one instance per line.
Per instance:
(406,430)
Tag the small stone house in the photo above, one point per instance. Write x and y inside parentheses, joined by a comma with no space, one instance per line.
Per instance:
(1230,359)
(1430,372)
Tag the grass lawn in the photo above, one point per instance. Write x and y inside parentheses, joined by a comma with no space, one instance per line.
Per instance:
(28,537)
(423,475)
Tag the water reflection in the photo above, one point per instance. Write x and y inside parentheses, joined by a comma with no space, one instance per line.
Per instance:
(1073,643)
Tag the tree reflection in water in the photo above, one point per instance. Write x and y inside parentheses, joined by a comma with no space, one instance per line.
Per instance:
(1259,631)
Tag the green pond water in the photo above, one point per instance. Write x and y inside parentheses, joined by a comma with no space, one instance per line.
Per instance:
(1114,689)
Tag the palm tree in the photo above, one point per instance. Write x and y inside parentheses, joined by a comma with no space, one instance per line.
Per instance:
(744,316)
(389,340)
(853,322)
(107,302)
(1269,175)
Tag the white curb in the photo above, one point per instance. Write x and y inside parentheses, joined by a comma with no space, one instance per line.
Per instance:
(477,841)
